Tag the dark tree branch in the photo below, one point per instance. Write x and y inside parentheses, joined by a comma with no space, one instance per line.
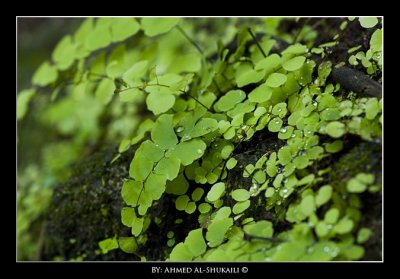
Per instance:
(356,81)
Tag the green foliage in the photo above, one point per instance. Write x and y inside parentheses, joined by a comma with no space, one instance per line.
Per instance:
(261,94)
(240,195)
(239,207)
(45,75)
(276,80)
(105,91)
(360,183)
(182,202)
(127,244)
(188,151)
(324,194)
(260,229)
(368,22)
(363,235)
(156,26)
(294,63)
(23,100)
(372,58)
(228,101)
(216,231)
(335,129)
(195,242)
(108,245)
(186,115)
(123,28)
(216,191)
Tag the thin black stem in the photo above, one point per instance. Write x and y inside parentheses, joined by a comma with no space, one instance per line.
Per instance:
(141,191)
(190,40)
(299,31)
(216,85)
(270,239)
(184,92)
(257,43)
(99,75)
(252,177)
(163,85)
(133,87)
(158,84)
(200,103)
(224,76)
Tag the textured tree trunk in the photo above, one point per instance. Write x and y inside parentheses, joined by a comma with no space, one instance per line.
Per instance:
(357,81)
(87,209)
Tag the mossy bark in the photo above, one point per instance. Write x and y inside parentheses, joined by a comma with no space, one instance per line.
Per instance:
(87,209)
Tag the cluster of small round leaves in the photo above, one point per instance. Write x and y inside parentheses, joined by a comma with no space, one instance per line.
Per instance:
(201,111)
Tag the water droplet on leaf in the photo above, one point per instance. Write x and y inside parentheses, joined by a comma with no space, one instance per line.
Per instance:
(180,129)
(253,190)
(334,254)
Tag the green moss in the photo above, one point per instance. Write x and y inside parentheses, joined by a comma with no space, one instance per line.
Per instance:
(74,214)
